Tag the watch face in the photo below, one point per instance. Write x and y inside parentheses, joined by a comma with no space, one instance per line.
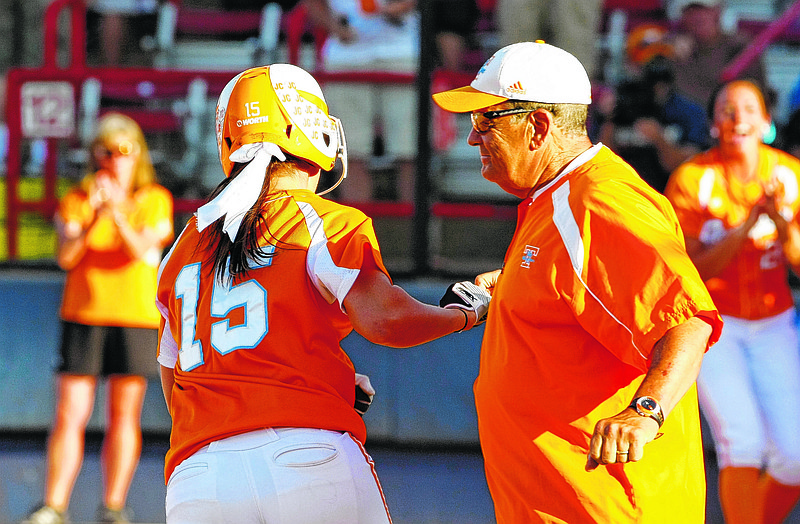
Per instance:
(648,404)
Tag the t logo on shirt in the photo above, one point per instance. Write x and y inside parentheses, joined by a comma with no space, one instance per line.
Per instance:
(529,256)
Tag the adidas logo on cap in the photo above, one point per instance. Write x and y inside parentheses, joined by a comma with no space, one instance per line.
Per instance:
(516,88)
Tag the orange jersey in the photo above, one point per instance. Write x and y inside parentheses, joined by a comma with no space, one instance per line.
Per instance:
(108,287)
(595,275)
(264,352)
(709,203)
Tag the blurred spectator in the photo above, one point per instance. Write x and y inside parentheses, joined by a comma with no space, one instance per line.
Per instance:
(572,25)
(454,23)
(703,50)
(385,36)
(115,27)
(380,120)
(111,230)
(319,13)
(652,126)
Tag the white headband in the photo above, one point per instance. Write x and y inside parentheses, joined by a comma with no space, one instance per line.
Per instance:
(242,192)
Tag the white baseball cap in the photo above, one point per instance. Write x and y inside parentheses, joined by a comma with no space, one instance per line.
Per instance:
(532,71)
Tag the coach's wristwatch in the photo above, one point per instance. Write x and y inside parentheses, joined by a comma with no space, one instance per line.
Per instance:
(648,407)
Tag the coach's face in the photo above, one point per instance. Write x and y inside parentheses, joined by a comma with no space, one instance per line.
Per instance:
(504,141)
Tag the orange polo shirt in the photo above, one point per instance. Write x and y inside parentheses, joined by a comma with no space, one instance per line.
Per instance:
(265,352)
(595,275)
(108,287)
(709,203)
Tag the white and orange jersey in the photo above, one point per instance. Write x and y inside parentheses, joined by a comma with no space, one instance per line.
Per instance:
(108,287)
(709,204)
(264,351)
(595,275)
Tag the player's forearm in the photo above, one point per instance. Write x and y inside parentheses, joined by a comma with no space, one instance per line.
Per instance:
(402,321)
(386,314)
(675,363)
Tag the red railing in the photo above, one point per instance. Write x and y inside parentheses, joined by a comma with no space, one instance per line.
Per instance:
(123,82)
(73,76)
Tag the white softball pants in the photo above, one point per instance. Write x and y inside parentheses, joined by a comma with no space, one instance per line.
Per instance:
(749,391)
(278,476)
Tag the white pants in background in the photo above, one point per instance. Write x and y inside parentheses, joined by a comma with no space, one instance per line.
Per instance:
(749,390)
(278,476)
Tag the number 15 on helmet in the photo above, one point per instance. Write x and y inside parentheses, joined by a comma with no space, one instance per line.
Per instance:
(282,104)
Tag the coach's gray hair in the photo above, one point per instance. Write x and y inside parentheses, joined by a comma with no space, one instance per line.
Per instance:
(570,118)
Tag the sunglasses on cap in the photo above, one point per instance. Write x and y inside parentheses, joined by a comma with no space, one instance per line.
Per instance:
(123,148)
(482,122)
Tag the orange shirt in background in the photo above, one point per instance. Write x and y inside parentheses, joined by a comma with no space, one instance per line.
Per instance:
(265,352)
(108,287)
(595,275)
(709,203)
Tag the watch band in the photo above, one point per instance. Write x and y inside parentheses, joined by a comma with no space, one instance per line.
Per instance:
(648,407)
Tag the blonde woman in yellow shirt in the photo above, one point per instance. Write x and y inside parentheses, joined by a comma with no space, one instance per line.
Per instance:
(111,230)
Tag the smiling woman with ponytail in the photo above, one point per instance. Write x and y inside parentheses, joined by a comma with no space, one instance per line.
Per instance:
(738,205)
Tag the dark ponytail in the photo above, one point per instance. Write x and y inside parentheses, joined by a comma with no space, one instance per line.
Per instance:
(244,252)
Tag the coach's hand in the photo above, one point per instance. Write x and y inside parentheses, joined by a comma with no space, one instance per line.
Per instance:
(488,281)
(466,295)
(620,439)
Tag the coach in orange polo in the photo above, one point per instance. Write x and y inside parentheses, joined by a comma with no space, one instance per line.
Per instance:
(587,409)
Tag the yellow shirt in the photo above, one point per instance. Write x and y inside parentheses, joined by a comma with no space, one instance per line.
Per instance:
(595,275)
(108,287)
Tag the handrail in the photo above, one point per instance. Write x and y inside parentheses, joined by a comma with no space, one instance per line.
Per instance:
(125,82)
(77,33)
(14,115)
(760,43)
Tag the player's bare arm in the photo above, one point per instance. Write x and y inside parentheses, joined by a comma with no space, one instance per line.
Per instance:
(676,360)
(385,314)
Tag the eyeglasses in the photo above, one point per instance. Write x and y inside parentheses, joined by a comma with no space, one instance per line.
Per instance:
(481,122)
(124,148)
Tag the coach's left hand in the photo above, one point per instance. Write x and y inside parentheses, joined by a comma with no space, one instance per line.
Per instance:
(620,439)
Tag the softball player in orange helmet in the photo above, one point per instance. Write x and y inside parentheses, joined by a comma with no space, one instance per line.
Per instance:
(256,294)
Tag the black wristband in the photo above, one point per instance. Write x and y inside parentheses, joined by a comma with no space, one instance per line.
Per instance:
(466,320)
